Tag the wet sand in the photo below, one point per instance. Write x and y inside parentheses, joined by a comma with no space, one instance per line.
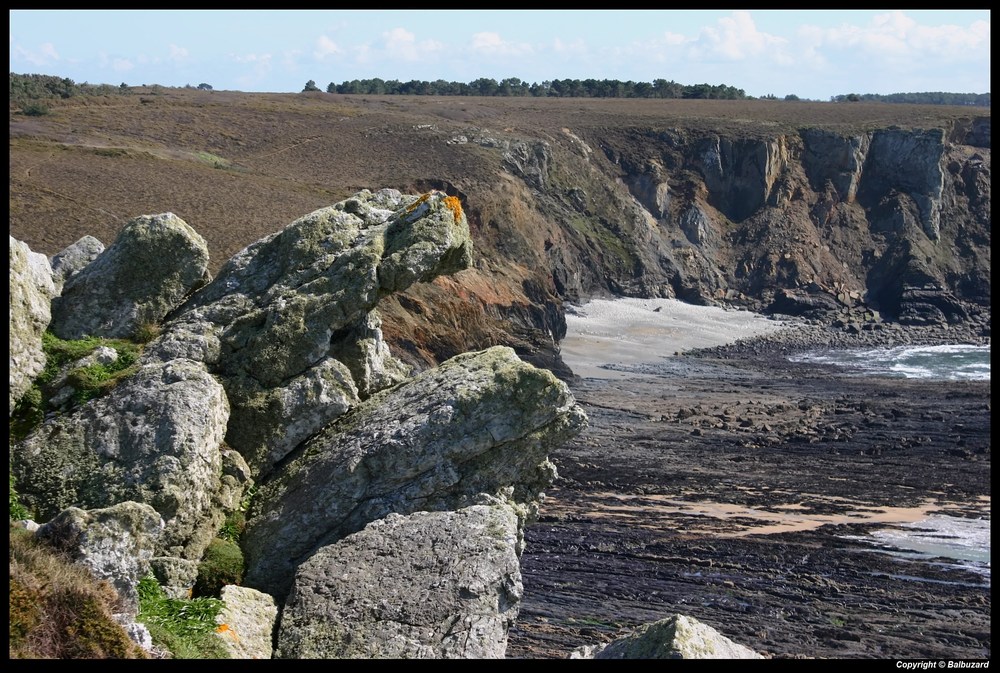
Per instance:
(742,489)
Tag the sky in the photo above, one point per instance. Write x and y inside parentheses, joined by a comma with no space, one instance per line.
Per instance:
(814,54)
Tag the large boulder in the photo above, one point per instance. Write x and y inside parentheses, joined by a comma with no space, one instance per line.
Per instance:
(156,438)
(431,585)
(676,637)
(246,622)
(31,293)
(115,543)
(154,264)
(479,423)
(73,259)
(289,318)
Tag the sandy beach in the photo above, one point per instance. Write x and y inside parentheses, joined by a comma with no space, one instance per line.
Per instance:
(625,332)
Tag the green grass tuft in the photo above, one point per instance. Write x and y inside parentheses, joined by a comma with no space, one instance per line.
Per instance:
(184,627)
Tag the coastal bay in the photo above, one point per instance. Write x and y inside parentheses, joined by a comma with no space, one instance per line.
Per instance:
(753,493)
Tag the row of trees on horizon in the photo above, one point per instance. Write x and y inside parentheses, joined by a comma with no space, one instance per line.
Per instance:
(513,86)
(613,88)
(29,90)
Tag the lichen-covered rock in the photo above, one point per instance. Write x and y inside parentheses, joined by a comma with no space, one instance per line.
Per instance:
(115,543)
(73,259)
(269,422)
(280,309)
(441,585)
(479,423)
(153,265)
(676,637)
(246,622)
(153,439)
(60,390)
(372,364)
(31,293)
(175,575)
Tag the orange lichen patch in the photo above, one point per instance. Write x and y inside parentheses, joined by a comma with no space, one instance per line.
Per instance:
(413,206)
(223,629)
(455,206)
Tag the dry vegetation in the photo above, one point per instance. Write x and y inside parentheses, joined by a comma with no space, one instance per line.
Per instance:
(58,610)
(238,166)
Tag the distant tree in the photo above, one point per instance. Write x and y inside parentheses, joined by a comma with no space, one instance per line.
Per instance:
(311,86)
(853,98)
(792,96)
(205,87)
(123,86)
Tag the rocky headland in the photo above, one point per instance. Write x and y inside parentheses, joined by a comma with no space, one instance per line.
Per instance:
(274,376)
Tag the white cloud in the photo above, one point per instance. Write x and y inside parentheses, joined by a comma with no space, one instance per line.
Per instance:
(260,66)
(122,65)
(664,49)
(178,54)
(326,47)
(290,59)
(402,44)
(736,38)
(896,35)
(46,54)
(491,44)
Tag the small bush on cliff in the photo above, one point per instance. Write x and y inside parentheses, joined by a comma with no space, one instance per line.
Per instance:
(34,109)
(222,564)
(58,610)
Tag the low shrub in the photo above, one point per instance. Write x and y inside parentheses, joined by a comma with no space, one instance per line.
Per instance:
(222,564)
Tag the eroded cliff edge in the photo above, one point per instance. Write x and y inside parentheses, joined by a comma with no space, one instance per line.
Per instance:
(890,224)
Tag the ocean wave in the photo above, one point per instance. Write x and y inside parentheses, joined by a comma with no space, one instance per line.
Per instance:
(944,362)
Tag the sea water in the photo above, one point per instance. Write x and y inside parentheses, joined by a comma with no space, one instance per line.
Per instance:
(966,542)
(953,362)
(949,540)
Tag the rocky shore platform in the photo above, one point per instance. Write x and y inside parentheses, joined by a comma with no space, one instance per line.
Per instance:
(739,488)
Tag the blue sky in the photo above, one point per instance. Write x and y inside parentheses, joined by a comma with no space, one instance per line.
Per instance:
(810,53)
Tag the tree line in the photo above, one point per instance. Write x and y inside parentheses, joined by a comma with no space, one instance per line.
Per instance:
(925,98)
(24,88)
(513,86)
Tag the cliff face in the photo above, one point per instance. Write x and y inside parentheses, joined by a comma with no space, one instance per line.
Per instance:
(715,217)
(892,222)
